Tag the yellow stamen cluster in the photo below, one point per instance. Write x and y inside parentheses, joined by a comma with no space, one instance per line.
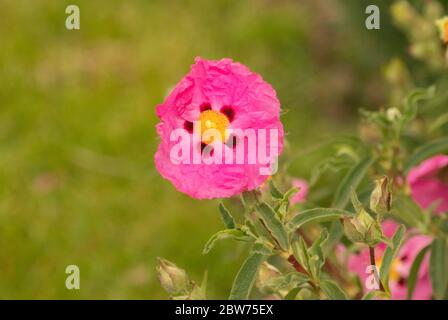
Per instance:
(211,119)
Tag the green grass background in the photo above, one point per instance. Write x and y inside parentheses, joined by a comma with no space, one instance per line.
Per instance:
(77,138)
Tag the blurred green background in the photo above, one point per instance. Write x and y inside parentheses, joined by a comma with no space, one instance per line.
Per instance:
(77,138)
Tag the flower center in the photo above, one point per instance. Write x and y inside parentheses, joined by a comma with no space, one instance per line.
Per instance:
(211,119)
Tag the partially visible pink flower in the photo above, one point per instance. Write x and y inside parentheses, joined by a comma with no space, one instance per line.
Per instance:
(429,183)
(401,266)
(302,195)
(220,95)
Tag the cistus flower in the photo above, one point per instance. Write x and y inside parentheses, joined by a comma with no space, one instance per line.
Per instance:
(429,183)
(399,272)
(302,194)
(227,99)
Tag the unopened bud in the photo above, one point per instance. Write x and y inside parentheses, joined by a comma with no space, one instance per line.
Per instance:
(172,278)
(393,114)
(381,197)
(362,227)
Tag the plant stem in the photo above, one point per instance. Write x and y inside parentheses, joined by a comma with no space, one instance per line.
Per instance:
(332,269)
(375,271)
(293,261)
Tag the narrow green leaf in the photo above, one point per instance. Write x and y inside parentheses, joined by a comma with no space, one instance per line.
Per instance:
(260,247)
(273,224)
(375,294)
(275,193)
(316,215)
(412,100)
(226,234)
(426,151)
(351,180)
(316,254)
(291,192)
(292,279)
(300,251)
(292,294)
(438,267)
(226,217)
(413,273)
(390,253)
(245,278)
(333,290)
(357,205)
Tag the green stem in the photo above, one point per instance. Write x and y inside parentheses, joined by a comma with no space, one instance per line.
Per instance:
(375,272)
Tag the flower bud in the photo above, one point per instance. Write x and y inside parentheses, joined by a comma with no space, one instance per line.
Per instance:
(173,279)
(363,228)
(381,197)
(393,114)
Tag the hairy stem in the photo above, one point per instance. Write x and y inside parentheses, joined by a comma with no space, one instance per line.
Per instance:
(293,261)
(328,266)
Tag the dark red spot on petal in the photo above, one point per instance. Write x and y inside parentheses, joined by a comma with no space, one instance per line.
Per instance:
(402,281)
(228,112)
(188,126)
(205,107)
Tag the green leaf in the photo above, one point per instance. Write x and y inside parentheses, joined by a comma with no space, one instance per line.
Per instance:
(273,224)
(291,192)
(226,217)
(245,278)
(390,253)
(275,193)
(426,151)
(333,290)
(376,294)
(292,279)
(316,215)
(413,273)
(260,247)
(438,267)
(411,102)
(351,180)
(292,294)
(316,254)
(300,251)
(357,205)
(236,234)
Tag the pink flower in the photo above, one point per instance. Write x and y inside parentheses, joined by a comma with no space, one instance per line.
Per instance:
(429,183)
(302,195)
(401,266)
(225,96)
